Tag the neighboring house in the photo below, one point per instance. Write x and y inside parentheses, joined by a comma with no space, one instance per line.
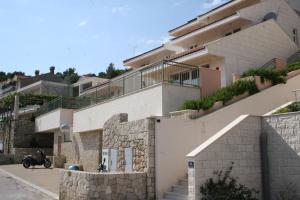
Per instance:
(202,56)
(48,84)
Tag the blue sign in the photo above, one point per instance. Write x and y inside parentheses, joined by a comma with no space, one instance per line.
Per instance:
(191,164)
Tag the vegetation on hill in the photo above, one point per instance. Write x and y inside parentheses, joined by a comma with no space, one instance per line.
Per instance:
(224,94)
(4,75)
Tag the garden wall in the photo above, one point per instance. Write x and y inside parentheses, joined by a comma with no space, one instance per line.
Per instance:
(76,185)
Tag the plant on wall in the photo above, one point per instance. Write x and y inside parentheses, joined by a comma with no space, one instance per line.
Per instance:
(275,76)
(225,187)
(225,94)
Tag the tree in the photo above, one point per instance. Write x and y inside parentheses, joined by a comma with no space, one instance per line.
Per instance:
(226,187)
(3,76)
(112,72)
(69,75)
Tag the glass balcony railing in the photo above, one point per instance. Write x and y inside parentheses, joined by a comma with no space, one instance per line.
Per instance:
(162,72)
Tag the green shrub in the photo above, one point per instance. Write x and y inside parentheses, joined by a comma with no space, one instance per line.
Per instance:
(224,94)
(191,104)
(276,77)
(294,66)
(225,187)
(294,107)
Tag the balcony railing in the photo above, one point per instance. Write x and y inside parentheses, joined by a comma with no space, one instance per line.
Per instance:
(164,71)
(62,102)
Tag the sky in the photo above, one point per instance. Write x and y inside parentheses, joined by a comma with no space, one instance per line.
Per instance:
(87,34)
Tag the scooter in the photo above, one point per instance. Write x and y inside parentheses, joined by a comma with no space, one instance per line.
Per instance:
(102,166)
(41,159)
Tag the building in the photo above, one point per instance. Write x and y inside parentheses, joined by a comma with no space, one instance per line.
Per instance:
(203,55)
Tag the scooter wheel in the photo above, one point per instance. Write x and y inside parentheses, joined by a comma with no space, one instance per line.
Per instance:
(26,164)
(47,164)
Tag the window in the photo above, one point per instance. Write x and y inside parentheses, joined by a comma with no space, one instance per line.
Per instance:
(295,36)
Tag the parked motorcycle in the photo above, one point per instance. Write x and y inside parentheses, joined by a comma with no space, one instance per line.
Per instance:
(40,159)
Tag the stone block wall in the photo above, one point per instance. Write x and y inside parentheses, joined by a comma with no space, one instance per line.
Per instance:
(139,135)
(76,185)
(283,149)
(238,143)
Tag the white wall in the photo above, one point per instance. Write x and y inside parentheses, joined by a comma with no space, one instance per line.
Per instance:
(145,103)
(174,138)
(295,4)
(287,17)
(251,48)
(53,120)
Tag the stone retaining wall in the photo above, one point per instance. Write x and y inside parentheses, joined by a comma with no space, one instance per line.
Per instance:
(283,146)
(139,135)
(239,143)
(76,185)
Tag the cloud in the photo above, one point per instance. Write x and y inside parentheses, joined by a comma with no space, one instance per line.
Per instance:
(82,23)
(213,3)
(120,9)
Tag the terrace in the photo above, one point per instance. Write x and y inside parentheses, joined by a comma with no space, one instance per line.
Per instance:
(161,72)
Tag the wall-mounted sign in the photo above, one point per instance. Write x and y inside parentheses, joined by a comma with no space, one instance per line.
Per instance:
(191,164)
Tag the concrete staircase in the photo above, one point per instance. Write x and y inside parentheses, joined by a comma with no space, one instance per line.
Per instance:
(179,191)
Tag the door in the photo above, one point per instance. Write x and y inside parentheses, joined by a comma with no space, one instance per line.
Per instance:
(114,160)
(128,159)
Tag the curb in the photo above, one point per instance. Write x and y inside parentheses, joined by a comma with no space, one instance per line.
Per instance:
(47,192)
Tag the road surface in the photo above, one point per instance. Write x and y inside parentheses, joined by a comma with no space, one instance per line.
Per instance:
(10,189)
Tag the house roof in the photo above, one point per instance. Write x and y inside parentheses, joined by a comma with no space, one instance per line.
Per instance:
(206,13)
(143,53)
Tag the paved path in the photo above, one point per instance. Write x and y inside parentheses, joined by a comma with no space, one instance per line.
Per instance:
(11,189)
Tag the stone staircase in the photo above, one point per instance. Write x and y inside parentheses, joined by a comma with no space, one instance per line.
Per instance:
(179,191)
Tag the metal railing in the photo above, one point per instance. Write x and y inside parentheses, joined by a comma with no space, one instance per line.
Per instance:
(61,102)
(163,71)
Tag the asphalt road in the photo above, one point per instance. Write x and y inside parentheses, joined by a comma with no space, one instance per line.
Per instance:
(10,189)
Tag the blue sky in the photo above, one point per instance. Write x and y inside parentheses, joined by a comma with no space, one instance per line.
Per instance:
(86,34)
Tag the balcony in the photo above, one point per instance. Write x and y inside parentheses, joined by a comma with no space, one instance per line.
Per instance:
(164,71)
(212,31)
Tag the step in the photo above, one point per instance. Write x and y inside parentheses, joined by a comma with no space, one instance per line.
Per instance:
(175,196)
(183,182)
(180,189)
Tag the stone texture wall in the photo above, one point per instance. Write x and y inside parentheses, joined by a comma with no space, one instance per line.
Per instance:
(75,185)
(239,144)
(119,134)
(283,147)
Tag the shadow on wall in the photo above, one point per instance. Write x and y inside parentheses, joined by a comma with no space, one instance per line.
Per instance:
(283,150)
